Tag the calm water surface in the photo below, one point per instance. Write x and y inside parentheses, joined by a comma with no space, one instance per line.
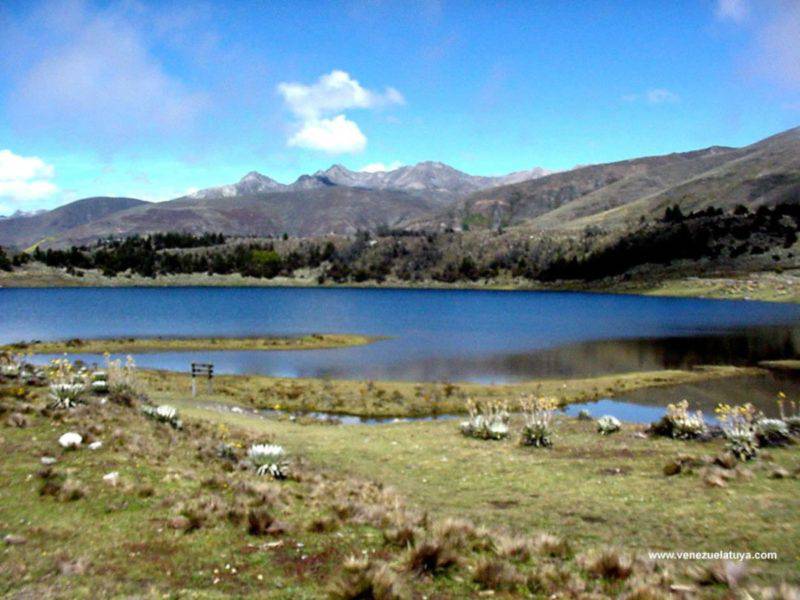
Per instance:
(434,335)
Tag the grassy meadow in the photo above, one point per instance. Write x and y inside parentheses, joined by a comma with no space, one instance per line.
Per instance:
(399,510)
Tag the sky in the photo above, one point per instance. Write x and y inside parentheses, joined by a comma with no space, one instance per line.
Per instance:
(156,99)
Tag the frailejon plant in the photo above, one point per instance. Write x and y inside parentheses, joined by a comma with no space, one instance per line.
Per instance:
(100,382)
(738,424)
(268,459)
(487,420)
(11,364)
(680,423)
(164,414)
(122,382)
(790,415)
(537,414)
(608,424)
(67,383)
(772,432)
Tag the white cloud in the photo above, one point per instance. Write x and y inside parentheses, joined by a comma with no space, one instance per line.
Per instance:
(24,178)
(661,95)
(332,93)
(732,10)
(334,136)
(316,106)
(653,96)
(380,167)
(99,78)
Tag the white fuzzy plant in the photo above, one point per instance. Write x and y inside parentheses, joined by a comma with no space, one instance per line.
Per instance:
(685,424)
(537,416)
(268,459)
(487,420)
(608,424)
(164,414)
(67,383)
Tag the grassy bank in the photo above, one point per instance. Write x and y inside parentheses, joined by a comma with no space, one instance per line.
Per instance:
(168,344)
(407,399)
(591,489)
(181,517)
(763,286)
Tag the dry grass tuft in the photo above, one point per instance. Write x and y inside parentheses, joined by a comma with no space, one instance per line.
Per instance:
(727,573)
(403,535)
(258,521)
(646,591)
(430,557)
(513,547)
(552,546)
(323,525)
(549,579)
(71,490)
(610,563)
(497,575)
(364,580)
(455,533)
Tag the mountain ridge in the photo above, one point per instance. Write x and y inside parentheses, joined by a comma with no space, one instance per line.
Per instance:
(434,196)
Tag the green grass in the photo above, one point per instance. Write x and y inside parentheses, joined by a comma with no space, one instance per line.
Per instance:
(592,491)
(571,490)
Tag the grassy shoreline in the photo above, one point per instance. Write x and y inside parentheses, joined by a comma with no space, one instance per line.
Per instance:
(412,399)
(759,286)
(315,341)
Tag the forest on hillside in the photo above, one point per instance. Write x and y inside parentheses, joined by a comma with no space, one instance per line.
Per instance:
(712,237)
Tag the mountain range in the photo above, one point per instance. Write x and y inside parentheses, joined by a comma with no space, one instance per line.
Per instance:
(431,195)
(433,180)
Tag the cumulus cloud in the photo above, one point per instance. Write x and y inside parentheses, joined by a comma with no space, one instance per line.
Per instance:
(380,167)
(333,93)
(315,106)
(100,77)
(732,10)
(334,136)
(24,178)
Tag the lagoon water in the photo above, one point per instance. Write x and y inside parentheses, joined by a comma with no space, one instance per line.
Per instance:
(433,335)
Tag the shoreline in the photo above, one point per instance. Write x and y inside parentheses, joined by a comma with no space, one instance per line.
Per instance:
(314,341)
(755,286)
(398,399)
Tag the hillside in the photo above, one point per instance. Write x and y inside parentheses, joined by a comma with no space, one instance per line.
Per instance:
(308,213)
(26,230)
(620,194)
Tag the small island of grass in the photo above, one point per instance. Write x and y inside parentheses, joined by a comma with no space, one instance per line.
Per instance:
(130,345)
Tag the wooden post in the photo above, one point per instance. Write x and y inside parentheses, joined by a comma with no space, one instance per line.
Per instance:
(206,369)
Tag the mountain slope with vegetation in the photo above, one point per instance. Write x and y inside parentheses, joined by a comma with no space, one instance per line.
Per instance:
(26,230)
(619,195)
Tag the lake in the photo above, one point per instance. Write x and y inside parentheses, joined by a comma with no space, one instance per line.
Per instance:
(434,335)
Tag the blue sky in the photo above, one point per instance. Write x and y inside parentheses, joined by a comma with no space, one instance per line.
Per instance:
(154,99)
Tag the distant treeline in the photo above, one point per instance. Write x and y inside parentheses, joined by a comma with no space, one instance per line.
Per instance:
(707,234)
(711,235)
